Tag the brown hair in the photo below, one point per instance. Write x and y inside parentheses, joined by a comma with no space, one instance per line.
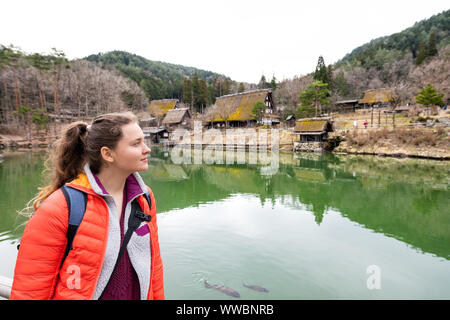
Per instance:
(79,145)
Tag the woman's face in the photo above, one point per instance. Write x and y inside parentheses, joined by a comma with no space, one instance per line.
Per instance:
(130,154)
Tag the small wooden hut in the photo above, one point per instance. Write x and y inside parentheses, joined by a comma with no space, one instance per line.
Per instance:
(312,133)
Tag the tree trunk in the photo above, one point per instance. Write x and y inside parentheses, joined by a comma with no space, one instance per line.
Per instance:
(55,93)
(17,91)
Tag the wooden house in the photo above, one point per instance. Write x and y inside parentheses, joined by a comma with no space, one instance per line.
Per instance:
(147,122)
(312,134)
(159,108)
(156,134)
(236,109)
(180,118)
(313,129)
(378,97)
(346,106)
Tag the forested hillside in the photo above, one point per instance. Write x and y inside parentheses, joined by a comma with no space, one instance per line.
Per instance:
(406,61)
(34,88)
(159,80)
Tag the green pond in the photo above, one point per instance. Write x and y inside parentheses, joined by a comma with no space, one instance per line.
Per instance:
(312,227)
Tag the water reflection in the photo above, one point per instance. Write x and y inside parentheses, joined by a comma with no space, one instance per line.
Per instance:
(407,199)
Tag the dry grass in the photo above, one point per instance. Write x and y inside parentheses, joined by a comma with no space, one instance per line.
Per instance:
(399,137)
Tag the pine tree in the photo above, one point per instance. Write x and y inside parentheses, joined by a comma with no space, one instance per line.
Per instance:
(429,96)
(321,72)
(195,91)
(187,91)
(422,54)
(273,83)
(330,78)
(241,87)
(431,49)
(226,87)
(263,83)
(340,85)
(203,96)
(315,95)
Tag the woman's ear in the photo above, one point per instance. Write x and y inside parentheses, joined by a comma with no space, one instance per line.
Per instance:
(107,155)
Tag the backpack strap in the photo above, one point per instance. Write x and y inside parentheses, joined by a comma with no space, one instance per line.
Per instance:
(76,202)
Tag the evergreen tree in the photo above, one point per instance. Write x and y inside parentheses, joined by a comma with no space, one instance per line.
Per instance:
(321,72)
(341,86)
(330,78)
(429,96)
(431,49)
(187,91)
(273,83)
(226,87)
(263,83)
(422,54)
(241,87)
(212,97)
(315,95)
(257,110)
(203,96)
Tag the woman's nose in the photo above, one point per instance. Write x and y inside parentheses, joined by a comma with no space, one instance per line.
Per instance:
(147,149)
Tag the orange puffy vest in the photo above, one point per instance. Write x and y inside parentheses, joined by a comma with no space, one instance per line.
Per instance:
(37,273)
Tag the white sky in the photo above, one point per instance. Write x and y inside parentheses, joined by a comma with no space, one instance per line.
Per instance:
(242,39)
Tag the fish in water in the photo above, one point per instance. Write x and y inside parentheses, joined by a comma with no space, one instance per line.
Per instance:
(256,288)
(224,289)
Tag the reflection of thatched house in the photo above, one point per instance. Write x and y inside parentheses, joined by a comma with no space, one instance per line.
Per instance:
(378,96)
(312,133)
(236,109)
(159,108)
(180,118)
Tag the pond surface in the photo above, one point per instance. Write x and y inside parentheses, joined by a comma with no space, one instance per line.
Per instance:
(317,227)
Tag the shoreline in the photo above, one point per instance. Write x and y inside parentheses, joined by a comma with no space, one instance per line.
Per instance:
(399,155)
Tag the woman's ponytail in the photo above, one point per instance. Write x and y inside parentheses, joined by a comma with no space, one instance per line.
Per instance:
(66,160)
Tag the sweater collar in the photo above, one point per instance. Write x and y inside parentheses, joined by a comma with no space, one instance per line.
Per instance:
(134,183)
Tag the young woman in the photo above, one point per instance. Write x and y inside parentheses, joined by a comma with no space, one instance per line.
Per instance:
(102,160)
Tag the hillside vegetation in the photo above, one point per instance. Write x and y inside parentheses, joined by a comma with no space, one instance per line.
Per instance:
(407,61)
(157,79)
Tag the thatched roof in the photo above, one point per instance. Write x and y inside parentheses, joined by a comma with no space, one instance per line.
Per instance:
(377,96)
(175,116)
(241,104)
(313,125)
(161,107)
(154,130)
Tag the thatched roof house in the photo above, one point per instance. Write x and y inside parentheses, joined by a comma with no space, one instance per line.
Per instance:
(313,129)
(377,96)
(235,108)
(177,117)
(161,107)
